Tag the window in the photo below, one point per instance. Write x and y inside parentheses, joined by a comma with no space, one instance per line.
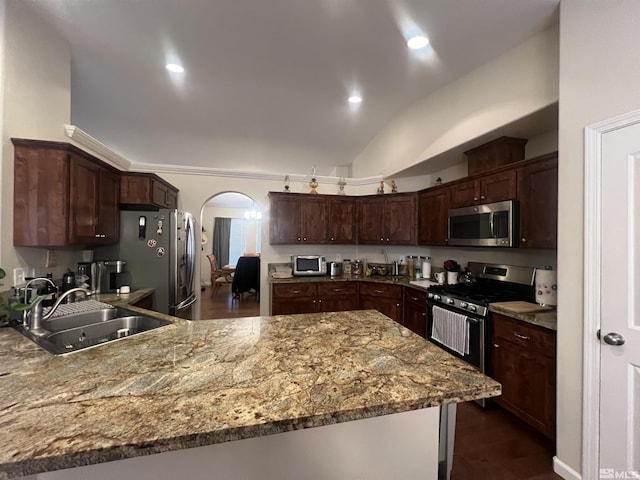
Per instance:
(244,237)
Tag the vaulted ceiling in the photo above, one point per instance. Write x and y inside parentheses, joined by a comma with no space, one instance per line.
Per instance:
(269,80)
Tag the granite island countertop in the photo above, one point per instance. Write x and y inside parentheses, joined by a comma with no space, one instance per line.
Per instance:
(203,382)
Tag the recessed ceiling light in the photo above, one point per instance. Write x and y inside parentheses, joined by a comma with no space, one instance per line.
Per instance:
(172,67)
(355,99)
(419,41)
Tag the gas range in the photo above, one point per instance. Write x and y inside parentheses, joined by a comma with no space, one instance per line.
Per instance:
(491,283)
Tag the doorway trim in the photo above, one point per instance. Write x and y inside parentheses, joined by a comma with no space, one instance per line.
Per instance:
(592,286)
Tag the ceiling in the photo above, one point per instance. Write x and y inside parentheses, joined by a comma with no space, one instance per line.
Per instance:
(266,82)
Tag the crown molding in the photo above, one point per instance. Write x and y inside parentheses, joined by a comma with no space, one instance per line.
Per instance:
(84,139)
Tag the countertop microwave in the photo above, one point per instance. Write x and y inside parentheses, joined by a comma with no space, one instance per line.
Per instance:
(488,225)
(308,265)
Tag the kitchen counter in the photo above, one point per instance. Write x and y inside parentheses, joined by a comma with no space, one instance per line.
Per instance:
(545,318)
(398,280)
(123,299)
(206,382)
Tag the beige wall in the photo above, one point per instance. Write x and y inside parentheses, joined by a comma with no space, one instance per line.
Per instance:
(36,103)
(599,78)
(514,85)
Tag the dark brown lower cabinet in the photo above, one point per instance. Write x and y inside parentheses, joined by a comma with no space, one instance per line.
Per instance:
(337,296)
(291,298)
(523,360)
(387,299)
(414,316)
(145,302)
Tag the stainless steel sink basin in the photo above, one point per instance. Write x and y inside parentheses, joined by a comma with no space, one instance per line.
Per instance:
(70,333)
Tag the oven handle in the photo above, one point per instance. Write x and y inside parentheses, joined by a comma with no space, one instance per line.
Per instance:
(493,235)
(472,320)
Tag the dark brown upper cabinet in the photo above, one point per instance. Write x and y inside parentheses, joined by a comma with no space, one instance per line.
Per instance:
(387,219)
(147,190)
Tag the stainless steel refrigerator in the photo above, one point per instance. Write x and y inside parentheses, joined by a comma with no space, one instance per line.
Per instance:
(159,248)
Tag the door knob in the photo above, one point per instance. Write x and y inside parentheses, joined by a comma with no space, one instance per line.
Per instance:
(613,339)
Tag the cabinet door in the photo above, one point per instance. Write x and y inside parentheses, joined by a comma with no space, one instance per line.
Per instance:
(172,198)
(370,220)
(385,298)
(40,198)
(159,194)
(465,194)
(400,219)
(313,211)
(498,187)
(337,296)
(523,361)
(284,223)
(83,201)
(433,217)
(109,207)
(415,311)
(538,195)
(342,220)
(292,298)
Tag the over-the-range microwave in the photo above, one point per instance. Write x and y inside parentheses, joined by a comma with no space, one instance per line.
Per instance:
(488,225)
(303,265)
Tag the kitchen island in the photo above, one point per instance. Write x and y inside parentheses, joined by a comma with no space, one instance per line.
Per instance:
(213,383)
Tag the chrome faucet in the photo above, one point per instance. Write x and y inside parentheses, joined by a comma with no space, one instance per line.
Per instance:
(34,316)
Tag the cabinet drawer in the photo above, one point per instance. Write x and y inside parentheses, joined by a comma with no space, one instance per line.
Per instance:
(524,334)
(291,290)
(415,297)
(337,288)
(381,290)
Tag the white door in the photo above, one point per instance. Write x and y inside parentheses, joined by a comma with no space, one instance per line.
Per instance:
(620,305)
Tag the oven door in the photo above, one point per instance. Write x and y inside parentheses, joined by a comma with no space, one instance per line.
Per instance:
(477,336)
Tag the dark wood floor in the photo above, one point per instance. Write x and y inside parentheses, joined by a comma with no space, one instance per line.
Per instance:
(223,305)
(491,444)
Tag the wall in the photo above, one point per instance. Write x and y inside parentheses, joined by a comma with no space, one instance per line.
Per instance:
(512,86)
(36,103)
(598,80)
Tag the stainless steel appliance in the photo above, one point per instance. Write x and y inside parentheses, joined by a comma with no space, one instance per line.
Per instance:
(335,269)
(111,275)
(308,265)
(488,225)
(458,315)
(159,248)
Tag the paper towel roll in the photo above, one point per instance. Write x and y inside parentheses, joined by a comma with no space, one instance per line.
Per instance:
(546,287)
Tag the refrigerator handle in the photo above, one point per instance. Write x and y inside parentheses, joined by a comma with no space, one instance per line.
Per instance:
(191,253)
(190,300)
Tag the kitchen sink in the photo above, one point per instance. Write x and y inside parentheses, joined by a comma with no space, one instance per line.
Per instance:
(74,332)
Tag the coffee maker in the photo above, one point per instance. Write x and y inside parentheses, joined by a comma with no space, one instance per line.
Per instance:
(110,275)
(86,276)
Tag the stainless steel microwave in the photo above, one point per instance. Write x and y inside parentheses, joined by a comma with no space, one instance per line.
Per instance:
(488,225)
(303,265)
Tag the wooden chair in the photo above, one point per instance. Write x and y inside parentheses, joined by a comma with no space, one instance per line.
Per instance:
(219,276)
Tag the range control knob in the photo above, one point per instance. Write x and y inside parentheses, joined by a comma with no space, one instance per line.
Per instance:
(472,308)
(464,304)
(430,295)
(450,301)
(436,297)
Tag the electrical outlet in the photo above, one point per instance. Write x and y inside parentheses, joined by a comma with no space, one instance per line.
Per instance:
(52,259)
(18,276)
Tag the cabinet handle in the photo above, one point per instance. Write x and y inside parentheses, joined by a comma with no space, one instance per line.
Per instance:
(397,304)
(387,239)
(97,235)
(523,337)
(415,299)
(320,300)
(446,240)
(299,239)
(424,314)
(314,301)
(382,239)
(482,197)
(332,239)
(495,345)
(296,291)
(523,239)
(304,238)
(379,291)
(475,199)
(102,236)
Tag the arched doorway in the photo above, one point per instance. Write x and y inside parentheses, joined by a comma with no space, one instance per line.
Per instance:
(231,228)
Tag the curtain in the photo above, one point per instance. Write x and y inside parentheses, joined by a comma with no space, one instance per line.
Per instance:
(221,233)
